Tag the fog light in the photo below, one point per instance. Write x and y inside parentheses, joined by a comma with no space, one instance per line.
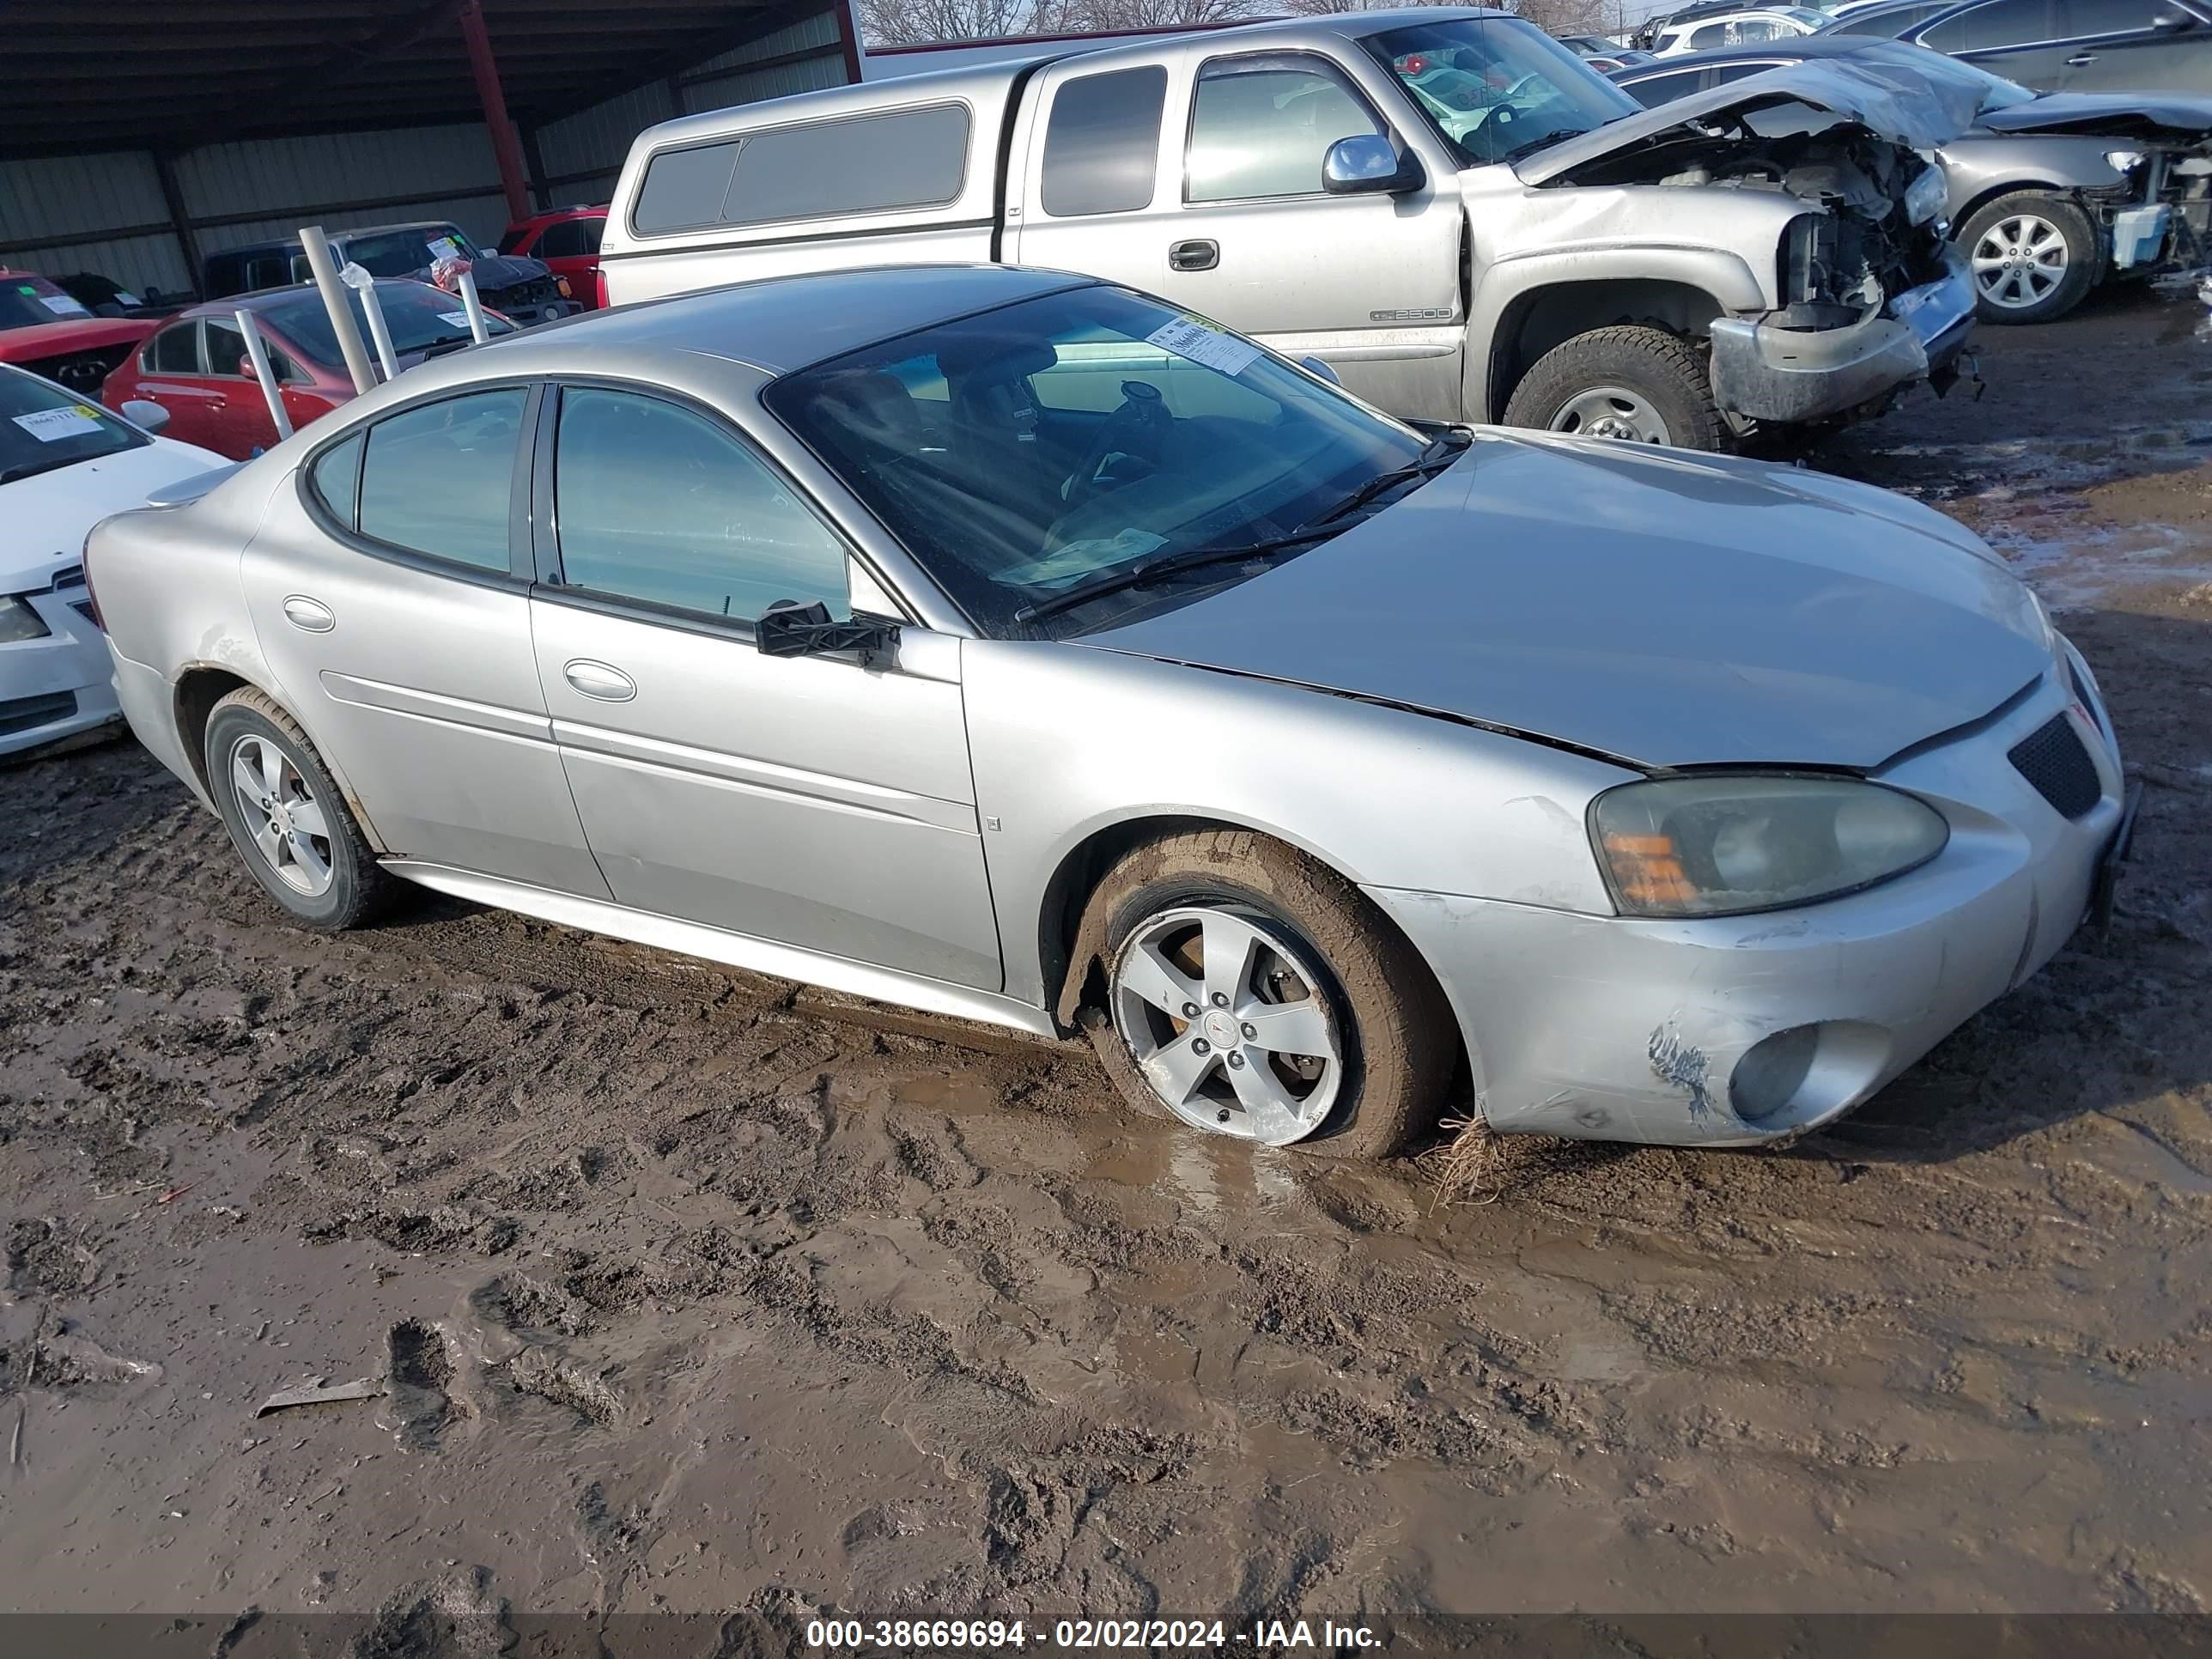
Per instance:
(1771,1071)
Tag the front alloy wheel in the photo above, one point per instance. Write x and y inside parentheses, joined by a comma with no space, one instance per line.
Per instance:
(2019,261)
(1227,1024)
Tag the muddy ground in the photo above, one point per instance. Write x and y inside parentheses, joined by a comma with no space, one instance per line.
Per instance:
(689,1292)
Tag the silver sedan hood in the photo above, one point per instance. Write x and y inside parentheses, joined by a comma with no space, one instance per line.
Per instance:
(2173,116)
(1653,605)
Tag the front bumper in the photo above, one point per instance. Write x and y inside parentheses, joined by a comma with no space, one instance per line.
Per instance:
(1789,376)
(57,686)
(1623,1029)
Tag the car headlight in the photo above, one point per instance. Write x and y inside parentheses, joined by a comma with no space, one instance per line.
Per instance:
(1925,197)
(2124,160)
(19,621)
(1727,844)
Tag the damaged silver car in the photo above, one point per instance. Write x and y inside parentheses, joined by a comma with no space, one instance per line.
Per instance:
(1449,208)
(1016,646)
(2048,195)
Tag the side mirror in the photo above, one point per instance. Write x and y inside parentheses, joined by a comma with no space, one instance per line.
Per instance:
(1319,370)
(1367,162)
(149,416)
(788,628)
(2172,22)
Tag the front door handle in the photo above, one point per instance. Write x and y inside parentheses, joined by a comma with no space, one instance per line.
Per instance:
(1200,255)
(311,615)
(2081,60)
(597,679)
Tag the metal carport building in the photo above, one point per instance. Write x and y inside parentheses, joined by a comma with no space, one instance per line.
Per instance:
(137,136)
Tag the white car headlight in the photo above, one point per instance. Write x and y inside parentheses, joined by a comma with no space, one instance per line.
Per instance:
(2124,160)
(1926,196)
(19,621)
(1724,844)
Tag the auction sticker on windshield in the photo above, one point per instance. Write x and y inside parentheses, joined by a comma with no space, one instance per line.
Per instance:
(1199,344)
(454,319)
(52,425)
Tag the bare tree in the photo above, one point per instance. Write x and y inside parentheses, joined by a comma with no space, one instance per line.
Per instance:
(917,22)
(1553,17)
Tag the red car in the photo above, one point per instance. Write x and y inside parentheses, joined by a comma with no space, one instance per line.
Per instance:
(196,368)
(567,240)
(44,330)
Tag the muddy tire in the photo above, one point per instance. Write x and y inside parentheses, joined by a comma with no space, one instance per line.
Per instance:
(1642,384)
(2035,256)
(1247,935)
(288,818)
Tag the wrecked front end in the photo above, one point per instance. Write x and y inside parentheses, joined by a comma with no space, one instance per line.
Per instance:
(2151,197)
(1865,294)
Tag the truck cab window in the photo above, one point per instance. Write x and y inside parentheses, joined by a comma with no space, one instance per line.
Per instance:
(1102,143)
(1260,130)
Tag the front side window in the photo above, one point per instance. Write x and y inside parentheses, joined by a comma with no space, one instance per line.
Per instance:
(1261,127)
(1045,445)
(658,503)
(571,239)
(1999,23)
(43,428)
(437,479)
(1713,34)
(1655,89)
(1496,88)
(1102,144)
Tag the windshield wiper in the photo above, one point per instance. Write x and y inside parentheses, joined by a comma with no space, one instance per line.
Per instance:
(1549,139)
(1440,452)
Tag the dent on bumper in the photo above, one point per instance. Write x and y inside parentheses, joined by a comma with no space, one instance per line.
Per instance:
(1622,1029)
(1790,375)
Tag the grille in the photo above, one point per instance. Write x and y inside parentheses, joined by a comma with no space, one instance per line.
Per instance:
(70,576)
(535,291)
(83,608)
(22,714)
(2055,760)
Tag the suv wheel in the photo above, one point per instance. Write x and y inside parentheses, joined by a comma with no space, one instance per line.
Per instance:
(288,818)
(1643,384)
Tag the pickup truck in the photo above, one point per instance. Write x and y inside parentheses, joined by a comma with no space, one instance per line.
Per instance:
(1446,208)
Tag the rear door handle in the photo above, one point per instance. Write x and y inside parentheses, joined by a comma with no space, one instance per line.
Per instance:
(1200,255)
(313,615)
(599,679)
(2081,60)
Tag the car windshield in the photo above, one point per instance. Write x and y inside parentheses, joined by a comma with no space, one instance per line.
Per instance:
(1498,88)
(420,319)
(26,302)
(400,253)
(1069,442)
(43,428)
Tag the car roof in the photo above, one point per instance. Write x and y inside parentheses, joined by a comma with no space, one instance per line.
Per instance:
(1803,47)
(780,323)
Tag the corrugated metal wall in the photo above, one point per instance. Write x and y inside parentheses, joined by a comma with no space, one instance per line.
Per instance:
(106,213)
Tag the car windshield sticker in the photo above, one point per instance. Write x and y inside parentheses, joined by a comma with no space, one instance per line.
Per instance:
(1207,347)
(52,425)
(444,248)
(457,318)
(62,305)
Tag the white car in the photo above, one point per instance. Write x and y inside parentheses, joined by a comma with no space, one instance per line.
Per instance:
(65,464)
(1735,28)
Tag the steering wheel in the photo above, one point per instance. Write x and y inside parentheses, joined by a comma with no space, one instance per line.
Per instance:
(1137,427)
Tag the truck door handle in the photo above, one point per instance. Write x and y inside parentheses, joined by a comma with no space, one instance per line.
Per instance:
(313,615)
(1200,255)
(2081,60)
(597,679)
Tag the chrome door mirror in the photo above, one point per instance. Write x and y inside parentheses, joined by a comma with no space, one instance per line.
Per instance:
(140,412)
(788,628)
(1368,162)
(1319,370)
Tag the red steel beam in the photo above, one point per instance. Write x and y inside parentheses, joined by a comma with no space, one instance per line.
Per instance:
(513,176)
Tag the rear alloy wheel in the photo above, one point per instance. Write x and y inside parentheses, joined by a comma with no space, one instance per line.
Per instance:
(286,817)
(1635,384)
(2033,257)
(1253,991)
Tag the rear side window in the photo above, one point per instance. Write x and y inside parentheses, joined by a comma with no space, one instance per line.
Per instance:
(437,479)
(1999,23)
(1260,130)
(1102,145)
(910,158)
(336,475)
(175,351)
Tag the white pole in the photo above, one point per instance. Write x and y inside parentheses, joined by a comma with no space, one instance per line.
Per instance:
(317,247)
(259,355)
(372,308)
(474,307)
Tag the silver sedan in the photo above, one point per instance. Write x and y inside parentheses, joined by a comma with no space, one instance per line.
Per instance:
(1017,647)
